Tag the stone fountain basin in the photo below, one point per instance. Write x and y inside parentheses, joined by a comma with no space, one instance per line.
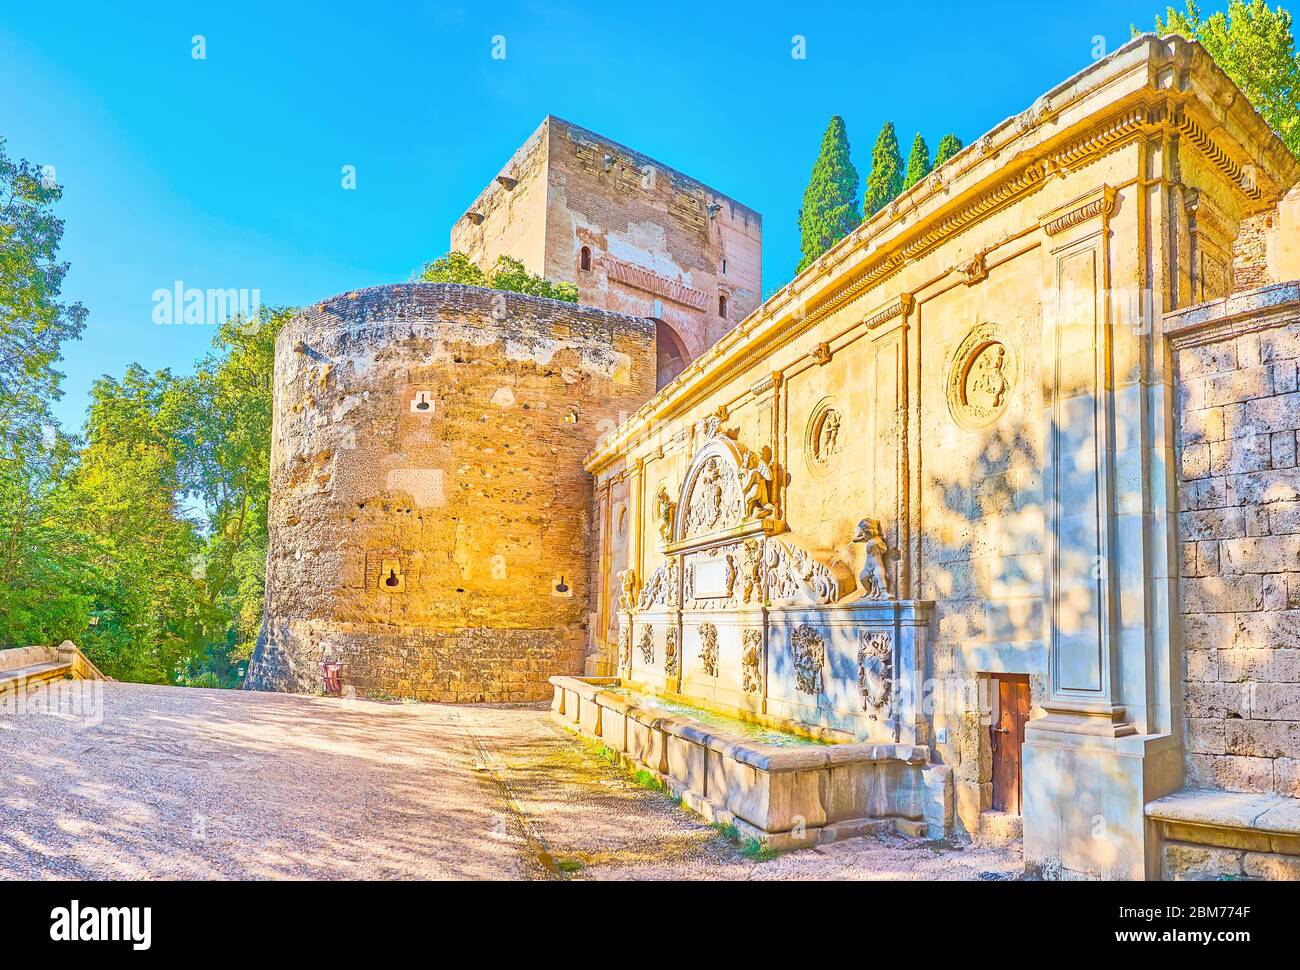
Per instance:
(798,793)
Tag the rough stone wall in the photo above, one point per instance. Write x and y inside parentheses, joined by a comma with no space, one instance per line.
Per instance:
(1239,521)
(661,244)
(429,522)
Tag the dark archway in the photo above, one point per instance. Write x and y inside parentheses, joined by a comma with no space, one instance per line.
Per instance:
(672,355)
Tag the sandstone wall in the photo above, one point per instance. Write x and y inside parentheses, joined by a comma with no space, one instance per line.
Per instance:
(429,514)
(1239,519)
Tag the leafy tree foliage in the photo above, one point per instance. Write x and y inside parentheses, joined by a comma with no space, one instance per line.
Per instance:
(41,598)
(918,162)
(1255,47)
(886,178)
(509,274)
(830,202)
(949,145)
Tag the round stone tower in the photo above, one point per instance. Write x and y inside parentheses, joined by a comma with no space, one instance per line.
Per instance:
(429,512)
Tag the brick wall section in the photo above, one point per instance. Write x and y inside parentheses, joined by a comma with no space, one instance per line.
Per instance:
(693,243)
(476,508)
(1239,522)
(1250,251)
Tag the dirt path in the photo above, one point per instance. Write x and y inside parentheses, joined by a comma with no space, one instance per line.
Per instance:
(202,784)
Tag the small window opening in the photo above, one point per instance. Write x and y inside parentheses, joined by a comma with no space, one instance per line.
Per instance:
(722,306)
(584,259)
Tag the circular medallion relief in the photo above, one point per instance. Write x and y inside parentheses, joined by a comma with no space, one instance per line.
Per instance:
(980,377)
(824,438)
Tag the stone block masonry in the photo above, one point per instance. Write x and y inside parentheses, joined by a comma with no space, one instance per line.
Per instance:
(1239,522)
(429,517)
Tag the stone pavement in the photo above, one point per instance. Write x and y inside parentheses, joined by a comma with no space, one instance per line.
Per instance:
(179,783)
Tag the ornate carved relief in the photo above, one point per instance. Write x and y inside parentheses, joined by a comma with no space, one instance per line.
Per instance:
(644,279)
(980,377)
(795,576)
(873,578)
(647,646)
(661,590)
(625,646)
(715,501)
(726,485)
(710,579)
(875,670)
(751,660)
(822,353)
(808,653)
(822,441)
(709,649)
(974,270)
(670,653)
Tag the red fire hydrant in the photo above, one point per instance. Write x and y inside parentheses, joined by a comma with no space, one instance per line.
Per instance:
(332,675)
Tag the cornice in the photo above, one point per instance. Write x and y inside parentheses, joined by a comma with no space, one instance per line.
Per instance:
(964,193)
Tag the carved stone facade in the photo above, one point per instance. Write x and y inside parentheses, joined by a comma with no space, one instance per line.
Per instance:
(961,411)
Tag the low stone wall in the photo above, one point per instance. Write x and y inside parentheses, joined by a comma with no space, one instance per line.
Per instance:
(786,797)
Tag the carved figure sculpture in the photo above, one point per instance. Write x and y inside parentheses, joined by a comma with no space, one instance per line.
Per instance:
(752,573)
(647,646)
(875,582)
(756,484)
(627,598)
(667,510)
(670,653)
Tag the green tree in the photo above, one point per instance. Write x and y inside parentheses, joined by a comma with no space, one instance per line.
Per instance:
(141,548)
(949,145)
(41,568)
(224,469)
(455,267)
(918,162)
(1255,47)
(830,202)
(886,178)
(508,274)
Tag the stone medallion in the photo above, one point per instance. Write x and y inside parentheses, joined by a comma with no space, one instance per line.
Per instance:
(980,378)
(824,438)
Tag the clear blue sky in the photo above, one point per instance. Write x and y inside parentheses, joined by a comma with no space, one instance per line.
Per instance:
(225,172)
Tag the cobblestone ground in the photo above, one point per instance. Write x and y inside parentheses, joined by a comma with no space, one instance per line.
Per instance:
(179,783)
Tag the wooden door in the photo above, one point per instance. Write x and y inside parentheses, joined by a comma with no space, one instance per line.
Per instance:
(1007,735)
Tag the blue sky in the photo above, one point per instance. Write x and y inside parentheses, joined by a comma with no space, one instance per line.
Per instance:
(226,172)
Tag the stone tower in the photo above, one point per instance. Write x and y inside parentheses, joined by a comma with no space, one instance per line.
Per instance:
(430,516)
(632,234)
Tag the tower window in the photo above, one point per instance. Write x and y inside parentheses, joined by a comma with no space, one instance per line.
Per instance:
(584,259)
(724,267)
(722,305)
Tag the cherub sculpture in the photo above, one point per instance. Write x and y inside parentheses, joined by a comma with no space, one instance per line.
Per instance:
(756,484)
(875,582)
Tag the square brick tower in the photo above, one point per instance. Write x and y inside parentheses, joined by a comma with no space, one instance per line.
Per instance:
(634,236)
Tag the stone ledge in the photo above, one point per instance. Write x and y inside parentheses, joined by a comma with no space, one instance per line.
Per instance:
(1224,809)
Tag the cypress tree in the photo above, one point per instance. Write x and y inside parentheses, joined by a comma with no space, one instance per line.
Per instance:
(830,203)
(949,145)
(886,178)
(918,162)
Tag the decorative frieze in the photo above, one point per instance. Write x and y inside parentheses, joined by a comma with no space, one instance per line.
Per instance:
(808,655)
(751,661)
(709,649)
(875,670)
